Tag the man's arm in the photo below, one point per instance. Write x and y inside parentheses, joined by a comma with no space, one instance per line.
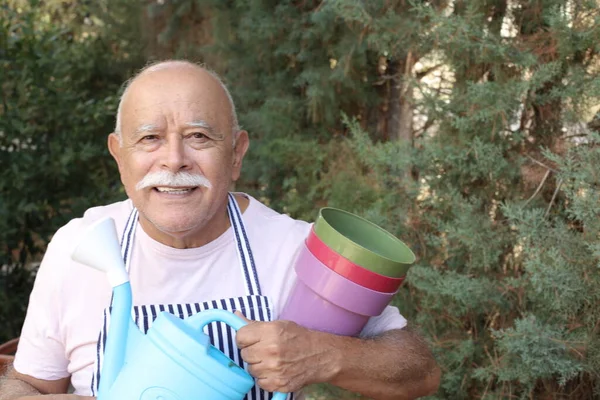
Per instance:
(286,357)
(394,365)
(16,386)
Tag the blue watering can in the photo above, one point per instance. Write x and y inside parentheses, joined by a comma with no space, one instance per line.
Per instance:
(175,359)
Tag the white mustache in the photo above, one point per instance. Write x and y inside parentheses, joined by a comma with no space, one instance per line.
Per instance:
(168,178)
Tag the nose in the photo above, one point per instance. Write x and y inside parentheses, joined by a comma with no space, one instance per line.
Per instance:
(175,157)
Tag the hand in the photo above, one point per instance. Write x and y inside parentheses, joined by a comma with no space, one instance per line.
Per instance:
(285,357)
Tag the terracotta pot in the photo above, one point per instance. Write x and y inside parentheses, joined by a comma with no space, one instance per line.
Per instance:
(7,351)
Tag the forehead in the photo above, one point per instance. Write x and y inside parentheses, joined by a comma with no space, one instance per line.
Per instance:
(175,112)
(175,97)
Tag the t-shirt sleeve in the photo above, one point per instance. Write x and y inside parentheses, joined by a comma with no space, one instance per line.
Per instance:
(41,351)
(389,319)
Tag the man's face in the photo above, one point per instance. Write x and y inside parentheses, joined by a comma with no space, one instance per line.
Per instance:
(178,120)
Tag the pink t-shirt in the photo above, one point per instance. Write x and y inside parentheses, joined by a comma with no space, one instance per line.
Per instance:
(66,305)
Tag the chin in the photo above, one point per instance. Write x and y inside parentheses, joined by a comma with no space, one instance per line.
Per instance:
(177,221)
(177,228)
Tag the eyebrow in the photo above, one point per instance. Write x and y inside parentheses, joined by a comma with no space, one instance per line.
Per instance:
(205,125)
(194,124)
(146,128)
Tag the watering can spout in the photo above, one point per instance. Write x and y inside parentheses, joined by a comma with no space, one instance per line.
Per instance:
(99,248)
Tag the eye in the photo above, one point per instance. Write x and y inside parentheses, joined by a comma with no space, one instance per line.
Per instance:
(199,135)
(149,138)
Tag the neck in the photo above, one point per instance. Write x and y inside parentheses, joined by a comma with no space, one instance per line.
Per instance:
(209,231)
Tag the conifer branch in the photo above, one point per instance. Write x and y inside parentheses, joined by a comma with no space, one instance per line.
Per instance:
(422,74)
(539,187)
(560,181)
(428,124)
(541,163)
(575,135)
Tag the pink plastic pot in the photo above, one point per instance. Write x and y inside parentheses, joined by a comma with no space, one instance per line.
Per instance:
(348,269)
(325,301)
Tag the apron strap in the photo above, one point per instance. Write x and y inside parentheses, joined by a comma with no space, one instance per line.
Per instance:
(128,235)
(127,241)
(243,247)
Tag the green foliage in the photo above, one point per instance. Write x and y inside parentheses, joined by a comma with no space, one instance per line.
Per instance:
(533,351)
(59,96)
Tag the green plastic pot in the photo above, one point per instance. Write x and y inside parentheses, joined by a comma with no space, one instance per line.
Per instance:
(363,242)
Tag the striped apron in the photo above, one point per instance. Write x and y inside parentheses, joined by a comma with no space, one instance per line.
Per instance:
(254,304)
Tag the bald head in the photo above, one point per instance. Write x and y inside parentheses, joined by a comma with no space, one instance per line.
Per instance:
(195,71)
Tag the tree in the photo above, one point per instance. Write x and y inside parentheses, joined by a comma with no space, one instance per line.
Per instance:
(60,84)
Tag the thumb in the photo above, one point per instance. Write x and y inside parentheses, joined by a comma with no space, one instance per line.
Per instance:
(247,335)
(242,316)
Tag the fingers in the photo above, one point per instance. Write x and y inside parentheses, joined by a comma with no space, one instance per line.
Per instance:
(278,354)
(278,384)
(274,385)
(249,334)
(251,356)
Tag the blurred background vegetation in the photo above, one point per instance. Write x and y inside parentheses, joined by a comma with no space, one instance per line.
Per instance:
(468,128)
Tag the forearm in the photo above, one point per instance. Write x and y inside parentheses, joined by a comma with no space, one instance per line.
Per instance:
(15,386)
(13,389)
(395,365)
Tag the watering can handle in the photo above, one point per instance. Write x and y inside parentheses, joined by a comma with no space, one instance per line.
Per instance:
(204,318)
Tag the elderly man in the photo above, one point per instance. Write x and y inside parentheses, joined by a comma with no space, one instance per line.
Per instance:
(190,245)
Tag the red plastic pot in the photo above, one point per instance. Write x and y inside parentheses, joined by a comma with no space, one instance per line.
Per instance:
(348,269)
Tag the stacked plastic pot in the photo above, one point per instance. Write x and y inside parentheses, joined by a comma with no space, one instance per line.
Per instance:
(348,270)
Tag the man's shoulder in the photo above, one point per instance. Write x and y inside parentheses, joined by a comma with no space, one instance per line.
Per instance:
(118,211)
(263,217)
(273,229)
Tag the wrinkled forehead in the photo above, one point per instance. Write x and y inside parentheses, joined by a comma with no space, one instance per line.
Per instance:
(175,115)
(171,99)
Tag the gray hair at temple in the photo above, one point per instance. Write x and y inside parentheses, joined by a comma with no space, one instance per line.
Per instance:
(171,63)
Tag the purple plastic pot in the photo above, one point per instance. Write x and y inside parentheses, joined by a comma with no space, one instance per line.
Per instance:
(325,301)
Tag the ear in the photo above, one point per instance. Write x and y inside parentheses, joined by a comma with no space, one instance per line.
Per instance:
(114,147)
(239,151)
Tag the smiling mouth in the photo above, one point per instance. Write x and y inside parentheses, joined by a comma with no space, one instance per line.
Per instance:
(175,190)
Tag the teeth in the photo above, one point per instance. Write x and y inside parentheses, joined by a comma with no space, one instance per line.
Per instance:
(173,190)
